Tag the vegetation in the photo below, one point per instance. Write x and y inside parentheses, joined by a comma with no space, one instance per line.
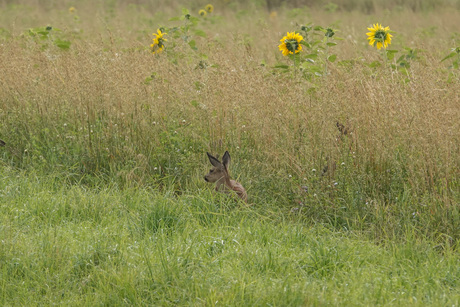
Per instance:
(350,154)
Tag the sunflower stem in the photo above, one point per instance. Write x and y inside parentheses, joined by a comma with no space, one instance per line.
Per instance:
(185,30)
(385,57)
(295,68)
(325,62)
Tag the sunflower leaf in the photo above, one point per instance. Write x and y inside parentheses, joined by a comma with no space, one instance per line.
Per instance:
(200,33)
(62,44)
(375,64)
(391,54)
(305,43)
(400,59)
(192,44)
(331,44)
(452,54)
(332,58)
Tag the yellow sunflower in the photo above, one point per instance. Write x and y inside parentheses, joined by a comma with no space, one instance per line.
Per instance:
(158,42)
(202,13)
(72,9)
(290,44)
(379,36)
(209,8)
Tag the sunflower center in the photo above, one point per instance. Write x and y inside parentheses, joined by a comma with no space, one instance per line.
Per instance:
(380,36)
(292,45)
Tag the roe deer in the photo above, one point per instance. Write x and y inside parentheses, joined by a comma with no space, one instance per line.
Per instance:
(345,131)
(219,175)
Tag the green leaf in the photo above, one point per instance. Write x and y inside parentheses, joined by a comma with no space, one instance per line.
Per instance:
(174,19)
(282,66)
(391,54)
(62,44)
(200,33)
(173,29)
(312,56)
(148,80)
(192,45)
(332,58)
(331,44)
(452,54)
(198,85)
(404,64)
(305,65)
(316,42)
(375,64)
(185,11)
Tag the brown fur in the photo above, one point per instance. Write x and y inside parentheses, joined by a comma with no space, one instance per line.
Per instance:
(219,174)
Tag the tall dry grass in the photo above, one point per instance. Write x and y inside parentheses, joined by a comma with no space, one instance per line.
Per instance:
(108,109)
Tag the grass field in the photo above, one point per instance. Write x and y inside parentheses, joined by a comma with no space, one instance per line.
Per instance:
(350,155)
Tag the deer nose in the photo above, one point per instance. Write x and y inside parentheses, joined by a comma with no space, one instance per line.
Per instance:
(206,179)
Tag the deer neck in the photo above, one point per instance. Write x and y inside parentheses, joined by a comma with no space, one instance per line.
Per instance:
(225,180)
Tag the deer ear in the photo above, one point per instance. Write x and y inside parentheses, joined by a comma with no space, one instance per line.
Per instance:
(226,159)
(213,160)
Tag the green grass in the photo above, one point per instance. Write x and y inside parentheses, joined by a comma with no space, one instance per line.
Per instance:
(71,245)
(102,197)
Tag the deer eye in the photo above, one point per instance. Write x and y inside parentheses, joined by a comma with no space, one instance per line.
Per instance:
(211,170)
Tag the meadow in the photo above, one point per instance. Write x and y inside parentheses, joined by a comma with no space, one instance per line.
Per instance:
(350,154)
